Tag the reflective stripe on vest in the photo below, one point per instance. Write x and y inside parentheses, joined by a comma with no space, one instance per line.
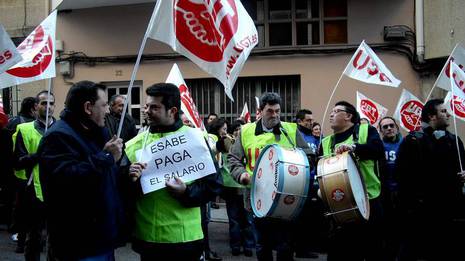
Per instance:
(253,145)
(367,167)
(31,138)
(159,218)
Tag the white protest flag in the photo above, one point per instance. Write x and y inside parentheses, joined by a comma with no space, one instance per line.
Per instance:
(365,66)
(458,103)
(217,35)
(183,154)
(245,115)
(457,80)
(9,56)
(38,53)
(370,109)
(187,103)
(408,111)
(457,56)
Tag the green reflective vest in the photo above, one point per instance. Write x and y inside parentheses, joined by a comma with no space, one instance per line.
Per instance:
(253,145)
(31,139)
(160,218)
(367,167)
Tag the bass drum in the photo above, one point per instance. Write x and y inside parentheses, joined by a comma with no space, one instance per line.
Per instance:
(280,182)
(343,189)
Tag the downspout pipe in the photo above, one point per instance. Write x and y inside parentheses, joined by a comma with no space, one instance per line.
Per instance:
(419,28)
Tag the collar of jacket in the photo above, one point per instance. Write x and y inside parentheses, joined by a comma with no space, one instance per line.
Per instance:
(164,129)
(259,128)
(304,130)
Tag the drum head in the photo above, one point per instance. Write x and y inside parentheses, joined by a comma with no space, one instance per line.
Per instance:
(265,179)
(358,189)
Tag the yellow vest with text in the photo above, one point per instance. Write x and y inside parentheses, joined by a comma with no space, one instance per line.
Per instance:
(159,217)
(253,145)
(31,138)
(367,167)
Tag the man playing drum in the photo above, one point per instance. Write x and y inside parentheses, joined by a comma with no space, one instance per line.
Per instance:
(356,240)
(243,158)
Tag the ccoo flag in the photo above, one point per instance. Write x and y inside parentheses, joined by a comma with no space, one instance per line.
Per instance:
(38,53)
(365,66)
(245,115)
(217,35)
(9,56)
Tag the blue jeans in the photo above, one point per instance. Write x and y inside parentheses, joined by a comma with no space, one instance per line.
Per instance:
(241,228)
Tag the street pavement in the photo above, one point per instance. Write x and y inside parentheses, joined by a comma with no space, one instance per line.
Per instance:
(218,232)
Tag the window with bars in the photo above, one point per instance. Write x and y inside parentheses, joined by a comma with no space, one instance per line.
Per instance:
(299,22)
(209,96)
(134,105)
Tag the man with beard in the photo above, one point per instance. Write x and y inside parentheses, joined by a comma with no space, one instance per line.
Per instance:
(253,138)
(168,220)
(430,188)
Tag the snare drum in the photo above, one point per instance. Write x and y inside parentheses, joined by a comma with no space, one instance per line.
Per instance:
(280,182)
(343,189)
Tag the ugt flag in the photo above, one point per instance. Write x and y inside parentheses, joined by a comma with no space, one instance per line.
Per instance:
(457,56)
(365,66)
(457,80)
(408,111)
(455,105)
(38,52)
(245,115)
(9,56)
(187,103)
(217,35)
(370,109)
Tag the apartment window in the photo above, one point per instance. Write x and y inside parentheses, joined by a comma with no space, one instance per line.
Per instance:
(299,22)
(134,104)
(209,96)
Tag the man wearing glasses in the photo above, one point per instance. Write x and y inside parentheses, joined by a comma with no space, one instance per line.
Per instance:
(356,241)
(26,142)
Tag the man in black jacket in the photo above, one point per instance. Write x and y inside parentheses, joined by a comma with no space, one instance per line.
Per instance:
(79,178)
(430,188)
(112,119)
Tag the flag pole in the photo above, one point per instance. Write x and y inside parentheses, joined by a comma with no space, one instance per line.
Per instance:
(455,120)
(436,82)
(48,103)
(134,73)
(329,101)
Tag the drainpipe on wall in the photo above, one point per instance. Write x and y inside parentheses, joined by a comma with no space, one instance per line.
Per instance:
(420,38)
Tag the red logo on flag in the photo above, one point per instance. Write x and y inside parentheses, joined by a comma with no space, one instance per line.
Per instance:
(369,109)
(186,98)
(42,60)
(410,114)
(459,106)
(205,27)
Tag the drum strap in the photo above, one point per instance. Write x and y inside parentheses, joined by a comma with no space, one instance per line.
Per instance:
(287,136)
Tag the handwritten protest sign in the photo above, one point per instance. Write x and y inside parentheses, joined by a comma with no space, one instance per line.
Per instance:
(184,155)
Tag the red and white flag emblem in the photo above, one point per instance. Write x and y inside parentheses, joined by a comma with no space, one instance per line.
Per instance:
(457,56)
(245,115)
(187,103)
(457,80)
(365,66)
(217,35)
(9,56)
(38,53)
(370,109)
(456,105)
(408,111)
